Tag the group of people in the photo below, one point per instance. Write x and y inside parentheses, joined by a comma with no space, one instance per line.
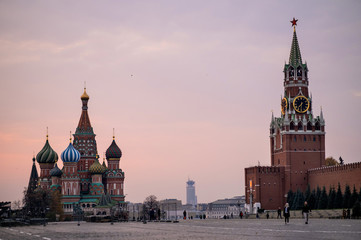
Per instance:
(286,212)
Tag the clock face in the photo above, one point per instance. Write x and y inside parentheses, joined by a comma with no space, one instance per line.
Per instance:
(301,104)
(284,105)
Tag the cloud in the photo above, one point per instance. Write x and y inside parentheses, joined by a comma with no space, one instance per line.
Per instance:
(357,93)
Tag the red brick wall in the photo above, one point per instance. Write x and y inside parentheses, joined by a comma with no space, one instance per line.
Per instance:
(348,174)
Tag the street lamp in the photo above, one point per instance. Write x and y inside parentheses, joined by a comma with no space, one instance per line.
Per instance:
(144,221)
(111,215)
(175,213)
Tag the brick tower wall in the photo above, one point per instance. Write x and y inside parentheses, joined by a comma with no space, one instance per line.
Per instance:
(268,186)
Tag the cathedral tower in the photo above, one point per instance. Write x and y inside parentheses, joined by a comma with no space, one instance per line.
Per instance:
(84,142)
(70,178)
(46,159)
(297,138)
(114,175)
(33,181)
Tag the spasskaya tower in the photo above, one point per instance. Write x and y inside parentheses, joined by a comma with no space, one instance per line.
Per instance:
(297,140)
(297,137)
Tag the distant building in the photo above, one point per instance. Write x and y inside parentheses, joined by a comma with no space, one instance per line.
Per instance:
(226,207)
(171,209)
(191,193)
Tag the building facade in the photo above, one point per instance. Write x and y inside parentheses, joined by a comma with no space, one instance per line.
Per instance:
(226,207)
(297,144)
(191,193)
(82,181)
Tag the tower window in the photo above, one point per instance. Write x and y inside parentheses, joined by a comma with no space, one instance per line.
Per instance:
(314,139)
(318,127)
(295,139)
(291,73)
(304,139)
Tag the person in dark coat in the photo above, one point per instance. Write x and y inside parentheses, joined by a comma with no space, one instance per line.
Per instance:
(279,213)
(306,210)
(286,213)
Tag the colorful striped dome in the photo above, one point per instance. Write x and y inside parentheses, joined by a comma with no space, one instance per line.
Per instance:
(96,168)
(56,172)
(47,154)
(113,151)
(70,154)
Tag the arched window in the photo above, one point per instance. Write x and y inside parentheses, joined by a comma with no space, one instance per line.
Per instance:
(292,126)
(291,72)
(309,126)
(299,72)
(317,126)
(300,126)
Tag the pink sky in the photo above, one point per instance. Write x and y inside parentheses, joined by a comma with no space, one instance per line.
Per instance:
(188,85)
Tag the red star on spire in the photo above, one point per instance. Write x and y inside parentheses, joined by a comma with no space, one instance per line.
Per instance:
(294,22)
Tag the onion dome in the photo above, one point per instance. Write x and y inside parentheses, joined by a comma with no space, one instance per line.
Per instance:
(113,151)
(85,96)
(47,154)
(56,172)
(96,168)
(70,154)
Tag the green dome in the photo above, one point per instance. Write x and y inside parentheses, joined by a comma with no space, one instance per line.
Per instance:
(96,168)
(47,154)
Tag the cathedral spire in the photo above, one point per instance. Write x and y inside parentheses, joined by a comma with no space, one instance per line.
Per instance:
(84,126)
(33,181)
(295,55)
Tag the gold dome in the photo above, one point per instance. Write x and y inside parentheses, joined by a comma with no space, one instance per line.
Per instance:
(85,96)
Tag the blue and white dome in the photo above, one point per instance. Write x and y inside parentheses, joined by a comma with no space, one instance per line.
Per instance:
(70,154)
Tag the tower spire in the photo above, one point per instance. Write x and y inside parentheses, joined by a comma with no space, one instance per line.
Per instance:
(295,55)
(84,125)
(33,181)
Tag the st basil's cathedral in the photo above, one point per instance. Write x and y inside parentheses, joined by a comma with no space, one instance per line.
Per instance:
(83,181)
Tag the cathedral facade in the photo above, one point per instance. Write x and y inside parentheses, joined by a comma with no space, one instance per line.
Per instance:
(297,144)
(82,181)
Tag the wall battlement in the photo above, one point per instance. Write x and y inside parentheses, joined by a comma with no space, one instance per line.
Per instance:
(336,168)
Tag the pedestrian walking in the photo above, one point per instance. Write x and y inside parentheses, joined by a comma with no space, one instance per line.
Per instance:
(241,215)
(286,213)
(279,213)
(267,215)
(306,210)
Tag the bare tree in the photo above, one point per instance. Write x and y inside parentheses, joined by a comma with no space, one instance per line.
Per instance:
(151,206)
(16,205)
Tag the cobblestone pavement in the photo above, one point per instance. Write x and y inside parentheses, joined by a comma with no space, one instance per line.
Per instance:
(191,229)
